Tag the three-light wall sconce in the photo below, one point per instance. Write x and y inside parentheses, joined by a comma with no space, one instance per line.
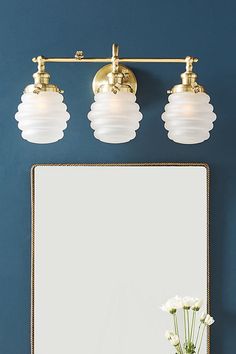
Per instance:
(42,116)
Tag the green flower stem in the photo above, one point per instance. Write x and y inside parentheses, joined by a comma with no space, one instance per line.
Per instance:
(176,325)
(177,330)
(199,327)
(185,325)
(192,326)
(188,325)
(203,330)
(179,349)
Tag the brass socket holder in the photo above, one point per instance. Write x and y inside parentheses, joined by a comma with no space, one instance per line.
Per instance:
(189,83)
(123,80)
(41,79)
(114,77)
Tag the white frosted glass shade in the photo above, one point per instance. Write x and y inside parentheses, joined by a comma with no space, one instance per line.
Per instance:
(115,117)
(189,117)
(42,117)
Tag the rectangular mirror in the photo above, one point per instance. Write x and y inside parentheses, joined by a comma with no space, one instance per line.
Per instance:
(110,244)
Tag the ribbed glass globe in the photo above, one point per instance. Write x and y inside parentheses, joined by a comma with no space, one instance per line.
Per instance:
(115,117)
(189,117)
(42,117)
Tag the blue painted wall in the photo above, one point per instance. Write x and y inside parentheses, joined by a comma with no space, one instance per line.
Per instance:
(204,28)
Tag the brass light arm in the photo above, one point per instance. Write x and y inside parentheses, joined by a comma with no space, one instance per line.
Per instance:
(114,59)
(118,76)
(74,60)
(156,60)
(109,60)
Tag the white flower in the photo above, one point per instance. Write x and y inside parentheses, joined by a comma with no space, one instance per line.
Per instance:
(203,316)
(172,305)
(174,340)
(169,334)
(168,307)
(197,304)
(187,302)
(177,301)
(209,320)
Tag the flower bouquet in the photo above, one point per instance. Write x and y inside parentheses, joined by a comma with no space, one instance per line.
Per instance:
(194,327)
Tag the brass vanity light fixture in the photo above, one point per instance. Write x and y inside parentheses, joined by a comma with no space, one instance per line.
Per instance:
(114,115)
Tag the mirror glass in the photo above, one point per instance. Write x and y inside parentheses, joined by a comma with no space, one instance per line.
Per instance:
(110,244)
